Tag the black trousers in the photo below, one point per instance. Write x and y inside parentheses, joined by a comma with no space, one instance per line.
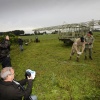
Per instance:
(6,62)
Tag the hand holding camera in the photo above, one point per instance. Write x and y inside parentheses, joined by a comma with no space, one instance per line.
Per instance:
(29,74)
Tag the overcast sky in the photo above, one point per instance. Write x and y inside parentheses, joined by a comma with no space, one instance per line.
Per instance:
(29,14)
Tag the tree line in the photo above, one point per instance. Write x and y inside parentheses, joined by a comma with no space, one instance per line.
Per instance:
(15,32)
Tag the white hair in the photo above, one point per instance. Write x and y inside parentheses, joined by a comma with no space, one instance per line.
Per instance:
(5,72)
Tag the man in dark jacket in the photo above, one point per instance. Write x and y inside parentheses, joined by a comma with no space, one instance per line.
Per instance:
(20,42)
(5,52)
(10,89)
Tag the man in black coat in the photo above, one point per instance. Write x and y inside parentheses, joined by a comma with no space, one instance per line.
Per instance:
(10,89)
(5,52)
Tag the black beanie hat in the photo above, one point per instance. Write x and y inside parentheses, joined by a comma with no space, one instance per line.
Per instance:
(90,32)
(82,39)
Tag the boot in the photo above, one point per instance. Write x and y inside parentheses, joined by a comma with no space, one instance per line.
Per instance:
(85,58)
(77,59)
(90,57)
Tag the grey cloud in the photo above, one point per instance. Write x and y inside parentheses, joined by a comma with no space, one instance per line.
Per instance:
(16,14)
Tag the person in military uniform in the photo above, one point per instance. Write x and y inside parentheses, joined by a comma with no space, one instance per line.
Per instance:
(78,47)
(89,39)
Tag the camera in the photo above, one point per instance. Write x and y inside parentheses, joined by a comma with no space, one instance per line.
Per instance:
(30,73)
(27,73)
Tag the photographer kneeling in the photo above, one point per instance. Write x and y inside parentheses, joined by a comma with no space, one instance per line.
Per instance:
(12,90)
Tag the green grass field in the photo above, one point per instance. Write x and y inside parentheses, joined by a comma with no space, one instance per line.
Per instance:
(57,78)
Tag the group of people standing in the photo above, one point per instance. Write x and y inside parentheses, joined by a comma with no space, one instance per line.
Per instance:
(83,45)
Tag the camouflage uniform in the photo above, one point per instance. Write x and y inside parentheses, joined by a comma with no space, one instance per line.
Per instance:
(77,47)
(88,45)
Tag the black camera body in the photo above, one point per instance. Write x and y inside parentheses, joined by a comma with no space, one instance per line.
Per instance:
(27,73)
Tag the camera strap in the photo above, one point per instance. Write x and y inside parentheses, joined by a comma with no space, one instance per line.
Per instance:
(30,98)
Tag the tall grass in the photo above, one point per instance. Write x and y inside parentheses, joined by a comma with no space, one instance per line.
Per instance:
(57,78)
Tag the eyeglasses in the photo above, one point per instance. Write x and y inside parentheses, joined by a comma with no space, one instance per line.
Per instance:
(12,74)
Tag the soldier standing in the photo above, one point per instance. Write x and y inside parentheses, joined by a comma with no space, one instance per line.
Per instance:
(89,39)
